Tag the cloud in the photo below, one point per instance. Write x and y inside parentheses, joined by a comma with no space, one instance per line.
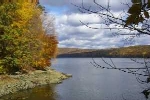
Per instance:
(114,4)
(75,18)
(54,2)
(72,33)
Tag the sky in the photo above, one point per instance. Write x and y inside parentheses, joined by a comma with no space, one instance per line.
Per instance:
(71,33)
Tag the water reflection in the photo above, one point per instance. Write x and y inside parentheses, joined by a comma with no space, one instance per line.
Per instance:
(38,93)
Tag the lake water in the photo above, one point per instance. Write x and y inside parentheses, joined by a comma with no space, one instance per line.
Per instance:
(88,82)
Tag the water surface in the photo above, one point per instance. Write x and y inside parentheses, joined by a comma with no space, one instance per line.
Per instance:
(88,82)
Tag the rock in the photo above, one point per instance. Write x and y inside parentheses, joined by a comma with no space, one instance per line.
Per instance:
(17,73)
(26,81)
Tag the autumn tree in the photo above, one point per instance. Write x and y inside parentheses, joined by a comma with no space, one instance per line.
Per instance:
(23,40)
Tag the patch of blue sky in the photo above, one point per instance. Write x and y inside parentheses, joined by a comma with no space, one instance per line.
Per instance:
(56,10)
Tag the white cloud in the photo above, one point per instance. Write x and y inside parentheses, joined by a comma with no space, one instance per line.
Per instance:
(72,33)
(80,36)
(75,18)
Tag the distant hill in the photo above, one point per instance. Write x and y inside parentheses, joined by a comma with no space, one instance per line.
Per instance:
(132,51)
(73,50)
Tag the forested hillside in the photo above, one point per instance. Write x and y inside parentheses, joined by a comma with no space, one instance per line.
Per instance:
(73,50)
(132,51)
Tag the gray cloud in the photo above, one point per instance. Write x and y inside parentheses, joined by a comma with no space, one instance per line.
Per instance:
(54,2)
(114,4)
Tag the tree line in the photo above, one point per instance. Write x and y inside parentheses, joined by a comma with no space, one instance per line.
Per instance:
(124,52)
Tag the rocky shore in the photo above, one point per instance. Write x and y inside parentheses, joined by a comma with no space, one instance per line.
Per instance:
(13,83)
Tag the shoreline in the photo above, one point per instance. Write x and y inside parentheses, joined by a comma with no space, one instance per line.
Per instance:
(13,83)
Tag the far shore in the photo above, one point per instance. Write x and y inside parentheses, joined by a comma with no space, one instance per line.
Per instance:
(13,83)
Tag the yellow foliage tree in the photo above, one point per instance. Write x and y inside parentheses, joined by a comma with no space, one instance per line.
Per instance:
(25,44)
